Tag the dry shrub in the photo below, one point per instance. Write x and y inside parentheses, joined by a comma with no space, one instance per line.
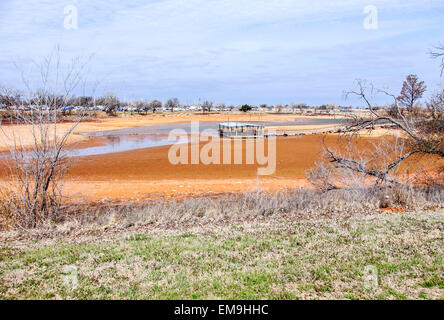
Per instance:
(409,197)
(231,208)
(8,215)
(396,196)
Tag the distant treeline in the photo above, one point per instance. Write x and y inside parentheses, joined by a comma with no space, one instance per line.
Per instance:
(110,103)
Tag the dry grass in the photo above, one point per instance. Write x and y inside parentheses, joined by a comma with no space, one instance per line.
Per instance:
(294,245)
(232,208)
(274,259)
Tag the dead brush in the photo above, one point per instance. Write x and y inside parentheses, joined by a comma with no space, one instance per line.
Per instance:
(409,197)
(232,208)
(261,205)
(10,217)
(6,214)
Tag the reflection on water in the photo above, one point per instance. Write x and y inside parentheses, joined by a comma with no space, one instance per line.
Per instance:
(120,143)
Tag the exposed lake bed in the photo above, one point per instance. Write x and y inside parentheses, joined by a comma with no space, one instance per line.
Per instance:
(157,135)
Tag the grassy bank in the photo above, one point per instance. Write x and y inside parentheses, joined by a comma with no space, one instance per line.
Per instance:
(277,259)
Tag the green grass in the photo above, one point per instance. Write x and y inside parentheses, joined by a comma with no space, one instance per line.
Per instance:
(307,259)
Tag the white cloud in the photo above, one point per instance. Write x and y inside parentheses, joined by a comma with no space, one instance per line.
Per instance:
(211,47)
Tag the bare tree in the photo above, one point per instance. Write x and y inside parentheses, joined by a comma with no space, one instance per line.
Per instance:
(140,106)
(436,106)
(420,135)
(221,106)
(412,90)
(355,165)
(110,101)
(438,53)
(10,97)
(207,106)
(417,129)
(38,143)
(172,104)
(155,105)
(298,106)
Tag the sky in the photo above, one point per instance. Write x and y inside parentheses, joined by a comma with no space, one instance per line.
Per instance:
(231,51)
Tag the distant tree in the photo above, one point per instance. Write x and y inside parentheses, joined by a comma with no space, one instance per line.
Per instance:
(245,108)
(207,106)
(302,106)
(140,106)
(436,106)
(221,106)
(155,105)
(110,101)
(172,104)
(43,97)
(85,101)
(293,106)
(9,97)
(263,106)
(330,106)
(412,90)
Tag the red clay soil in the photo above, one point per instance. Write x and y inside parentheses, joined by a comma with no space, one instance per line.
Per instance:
(143,173)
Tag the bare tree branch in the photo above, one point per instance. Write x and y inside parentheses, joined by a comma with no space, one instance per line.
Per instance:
(421,133)
(37,143)
(438,53)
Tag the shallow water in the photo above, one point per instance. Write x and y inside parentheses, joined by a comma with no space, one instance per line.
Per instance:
(121,143)
(157,135)
(166,128)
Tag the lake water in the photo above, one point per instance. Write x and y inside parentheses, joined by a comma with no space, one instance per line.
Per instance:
(157,135)
(166,128)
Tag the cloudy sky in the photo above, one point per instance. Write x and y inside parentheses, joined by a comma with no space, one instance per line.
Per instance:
(232,51)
